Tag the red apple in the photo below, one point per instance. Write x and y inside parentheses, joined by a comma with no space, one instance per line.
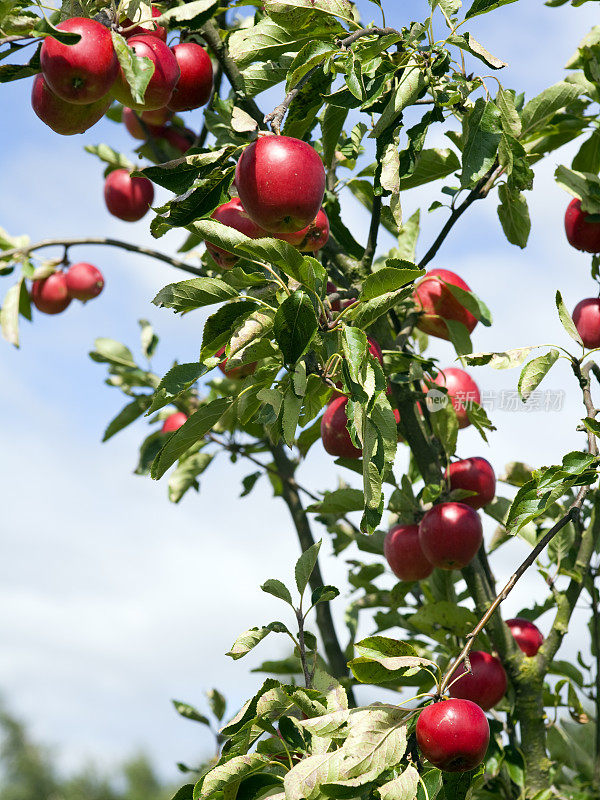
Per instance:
(375,350)
(133,126)
(50,295)
(404,553)
(173,422)
(485,684)
(586,316)
(437,303)
(527,635)
(156,30)
(334,431)
(236,373)
(474,475)
(583,230)
(462,390)
(195,84)
(126,197)
(281,182)
(64,118)
(83,72)
(331,288)
(84,281)
(233,215)
(179,138)
(312,238)
(163,81)
(450,535)
(453,735)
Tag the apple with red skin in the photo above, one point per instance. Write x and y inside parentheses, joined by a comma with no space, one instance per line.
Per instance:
(50,295)
(334,432)
(474,474)
(462,391)
(586,316)
(453,734)
(281,182)
(173,422)
(84,72)
(485,684)
(312,238)
(156,30)
(127,197)
(433,297)
(527,635)
(233,215)
(84,281)
(375,349)
(161,84)
(179,138)
(135,129)
(450,535)
(196,81)
(235,373)
(65,118)
(404,553)
(583,230)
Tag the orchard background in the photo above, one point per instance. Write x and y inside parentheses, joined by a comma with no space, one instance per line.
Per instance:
(118,600)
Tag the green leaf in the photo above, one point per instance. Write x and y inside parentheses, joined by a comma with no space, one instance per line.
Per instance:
(246,642)
(408,237)
(148,339)
(483,132)
(566,319)
(506,360)
(511,122)
(110,156)
(331,127)
(582,185)
(195,293)
(446,616)
(220,325)
(535,371)
(588,157)
(539,110)
(323,594)
(198,10)
(217,703)
(409,88)
(294,326)
(137,70)
(389,278)
(194,429)
(127,415)
(231,772)
(468,43)
(382,660)
(189,712)
(305,566)
(43,27)
(445,427)
(403,787)
(483,6)
(514,215)
(112,352)
(15,299)
(185,473)
(341,501)
(277,589)
(177,380)
(431,165)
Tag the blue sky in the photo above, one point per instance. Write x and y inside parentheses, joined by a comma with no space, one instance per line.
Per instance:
(115,601)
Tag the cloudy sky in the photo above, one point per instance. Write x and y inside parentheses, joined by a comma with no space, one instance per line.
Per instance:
(115,601)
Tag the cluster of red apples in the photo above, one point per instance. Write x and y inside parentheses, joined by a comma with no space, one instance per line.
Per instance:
(81,281)
(583,233)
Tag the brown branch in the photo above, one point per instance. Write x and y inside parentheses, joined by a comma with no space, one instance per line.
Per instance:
(133,248)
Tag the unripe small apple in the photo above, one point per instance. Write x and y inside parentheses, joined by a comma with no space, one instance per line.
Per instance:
(485,684)
(133,126)
(127,197)
(65,118)
(404,553)
(474,475)
(156,30)
(50,295)
(527,635)
(334,432)
(233,215)
(84,281)
(450,535)
(161,84)
(236,373)
(583,230)
(173,422)
(312,238)
(453,735)
(437,303)
(586,316)
(281,182)
(462,391)
(83,72)
(195,83)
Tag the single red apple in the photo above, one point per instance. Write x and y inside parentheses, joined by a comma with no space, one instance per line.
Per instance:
(195,84)
(156,30)
(281,182)
(474,475)
(161,84)
(133,126)
(236,373)
(527,635)
(83,72)
(583,230)
(586,316)
(126,197)
(450,535)
(179,138)
(65,118)
(462,390)
(233,215)
(453,735)
(84,281)
(438,304)
(312,238)
(173,422)
(334,431)
(485,684)
(50,295)
(404,553)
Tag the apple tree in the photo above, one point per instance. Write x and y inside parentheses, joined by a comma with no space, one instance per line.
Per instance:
(317,339)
